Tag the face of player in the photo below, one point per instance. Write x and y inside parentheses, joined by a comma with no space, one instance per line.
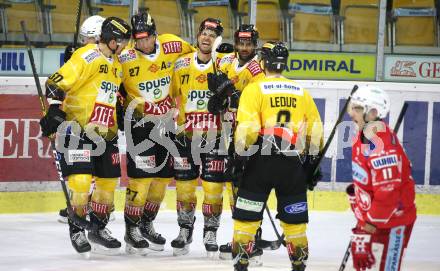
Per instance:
(146,45)
(118,46)
(245,49)
(356,113)
(205,40)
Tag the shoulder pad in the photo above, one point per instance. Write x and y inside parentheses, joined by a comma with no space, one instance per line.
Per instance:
(254,68)
(182,62)
(127,55)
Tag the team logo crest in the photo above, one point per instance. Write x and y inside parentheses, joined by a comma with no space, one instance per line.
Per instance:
(201,78)
(153,68)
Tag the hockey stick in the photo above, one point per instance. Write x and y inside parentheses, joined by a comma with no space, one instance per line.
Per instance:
(273,245)
(396,129)
(80,222)
(78,19)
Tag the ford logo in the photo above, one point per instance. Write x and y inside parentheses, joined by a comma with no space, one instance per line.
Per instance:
(296,208)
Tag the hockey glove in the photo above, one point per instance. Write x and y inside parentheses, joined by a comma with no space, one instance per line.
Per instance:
(363,257)
(217,104)
(220,84)
(234,99)
(351,196)
(68,52)
(53,118)
(313,171)
(225,48)
(235,167)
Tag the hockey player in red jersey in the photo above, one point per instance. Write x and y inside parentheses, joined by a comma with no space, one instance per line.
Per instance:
(382,194)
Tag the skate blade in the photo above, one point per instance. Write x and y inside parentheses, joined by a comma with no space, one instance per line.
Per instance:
(101,250)
(85,255)
(135,251)
(181,251)
(62,219)
(156,247)
(225,256)
(255,261)
(211,254)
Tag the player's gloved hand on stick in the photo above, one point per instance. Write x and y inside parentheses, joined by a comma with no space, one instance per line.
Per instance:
(220,84)
(120,112)
(351,196)
(313,172)
(362,254)
(53,118)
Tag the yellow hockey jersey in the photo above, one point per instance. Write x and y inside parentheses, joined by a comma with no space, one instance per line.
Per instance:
(90,81)
(278,106)
(147,78)
(241,76)
(190,83)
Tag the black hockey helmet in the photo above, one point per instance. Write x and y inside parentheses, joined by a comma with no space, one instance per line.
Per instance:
(212,24)
(143,25)
(274,55)
(246,32)
(114,28)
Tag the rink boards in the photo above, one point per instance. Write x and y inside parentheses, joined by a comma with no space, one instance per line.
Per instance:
(26,164)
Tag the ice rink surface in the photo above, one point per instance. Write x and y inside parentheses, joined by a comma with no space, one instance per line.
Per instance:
(38,242)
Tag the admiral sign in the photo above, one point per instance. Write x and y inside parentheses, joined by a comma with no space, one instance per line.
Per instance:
(412,68)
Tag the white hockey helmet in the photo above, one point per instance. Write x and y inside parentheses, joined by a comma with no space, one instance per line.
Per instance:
(372,97)
(91,27)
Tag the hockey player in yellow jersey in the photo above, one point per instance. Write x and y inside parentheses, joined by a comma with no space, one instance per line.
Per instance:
(237,70)
(279,130)
(83,92)
(198,133)
(148,68)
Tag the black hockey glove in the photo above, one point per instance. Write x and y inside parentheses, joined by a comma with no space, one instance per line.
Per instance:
(220,84)
(225,48)
(217,104)
(234,99)
(68,52)
(53,118)
(313,171)
(235,167)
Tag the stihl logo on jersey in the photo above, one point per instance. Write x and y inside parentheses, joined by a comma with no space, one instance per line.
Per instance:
(201,78)
(153,68)
(172,47)
(154,84)
(115,159)
(201,121)
(386,161)
(254,68)
(103,115)
(159,108)
(216,166)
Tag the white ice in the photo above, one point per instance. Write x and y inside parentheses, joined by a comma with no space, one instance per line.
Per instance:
(31,242)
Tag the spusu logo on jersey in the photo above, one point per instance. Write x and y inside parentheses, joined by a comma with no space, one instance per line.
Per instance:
(172,47)
(154,84)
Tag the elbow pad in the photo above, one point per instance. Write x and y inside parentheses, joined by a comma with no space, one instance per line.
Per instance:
(54,94)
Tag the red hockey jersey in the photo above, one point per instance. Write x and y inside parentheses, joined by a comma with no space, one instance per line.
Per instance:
(384,187)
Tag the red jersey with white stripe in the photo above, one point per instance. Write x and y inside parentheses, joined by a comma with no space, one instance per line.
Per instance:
(384,187)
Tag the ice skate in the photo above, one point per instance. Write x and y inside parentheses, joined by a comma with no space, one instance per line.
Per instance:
(210,241)
(135,243)
(156,241)
(103,243)
(181,243)
(79,240)
(226,251)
